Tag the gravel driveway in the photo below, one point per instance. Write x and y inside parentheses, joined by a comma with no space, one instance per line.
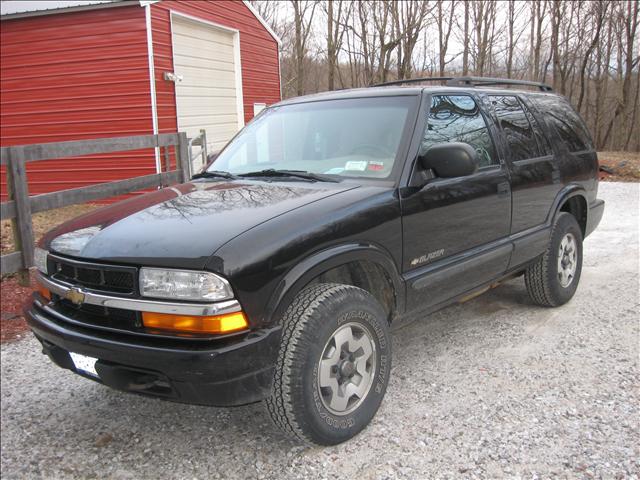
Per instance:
(492,388)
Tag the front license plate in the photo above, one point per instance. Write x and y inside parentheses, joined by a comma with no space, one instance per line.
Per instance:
(84,363)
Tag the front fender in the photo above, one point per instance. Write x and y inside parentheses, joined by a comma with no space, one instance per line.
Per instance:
(302,273)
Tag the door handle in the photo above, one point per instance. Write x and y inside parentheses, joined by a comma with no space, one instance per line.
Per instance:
(503,189)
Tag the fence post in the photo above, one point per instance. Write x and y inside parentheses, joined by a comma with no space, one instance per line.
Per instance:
(21,225)
(183,156)
(203,147)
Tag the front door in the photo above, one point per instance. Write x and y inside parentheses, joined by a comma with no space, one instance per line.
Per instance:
(455,230)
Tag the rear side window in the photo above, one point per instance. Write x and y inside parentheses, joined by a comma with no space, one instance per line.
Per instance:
(517,129)
(568,124)
(543,142)
(457,118)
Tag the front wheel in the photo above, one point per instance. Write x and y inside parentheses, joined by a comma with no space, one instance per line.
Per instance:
(333,366)
(553,279)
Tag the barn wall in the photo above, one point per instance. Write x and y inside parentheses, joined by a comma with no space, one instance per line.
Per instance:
(258,54)
(81,75)
(74,76)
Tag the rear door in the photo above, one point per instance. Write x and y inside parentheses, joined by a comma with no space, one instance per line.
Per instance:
(535,177)
(455,230)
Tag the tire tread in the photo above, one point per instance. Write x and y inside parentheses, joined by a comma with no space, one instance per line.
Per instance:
(536,277)
(279,404)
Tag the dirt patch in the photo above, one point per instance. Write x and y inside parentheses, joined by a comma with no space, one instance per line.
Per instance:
(43,222)
(12,295)
(619,166)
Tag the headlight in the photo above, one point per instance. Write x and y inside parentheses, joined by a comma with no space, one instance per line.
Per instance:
(183,285)
(40,259)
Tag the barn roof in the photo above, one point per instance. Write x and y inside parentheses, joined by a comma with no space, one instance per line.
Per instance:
(16,8)
(27,8)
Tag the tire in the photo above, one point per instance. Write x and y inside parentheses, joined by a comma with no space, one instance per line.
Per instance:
(298,404)
(547,280)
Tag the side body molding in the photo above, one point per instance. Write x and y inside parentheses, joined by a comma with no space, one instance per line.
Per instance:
(324,260)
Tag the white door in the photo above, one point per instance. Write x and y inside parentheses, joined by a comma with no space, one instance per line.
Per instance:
(209,96)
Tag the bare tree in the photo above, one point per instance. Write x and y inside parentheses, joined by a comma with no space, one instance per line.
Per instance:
(409,20)
(628,20)
(303,16)
(337,12)
(587,50)
(465,37)
(483,17)
(388,40)
(444,21)
(598,12)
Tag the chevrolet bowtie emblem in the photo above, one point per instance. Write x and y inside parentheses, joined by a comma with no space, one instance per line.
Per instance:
(75,296)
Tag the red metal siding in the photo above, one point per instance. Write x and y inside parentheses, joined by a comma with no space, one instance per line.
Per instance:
(73,76)
(258,53)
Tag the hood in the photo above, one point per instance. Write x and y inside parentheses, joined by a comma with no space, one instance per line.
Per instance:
(183,225)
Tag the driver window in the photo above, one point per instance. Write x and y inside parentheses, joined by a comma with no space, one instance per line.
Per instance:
(457,118)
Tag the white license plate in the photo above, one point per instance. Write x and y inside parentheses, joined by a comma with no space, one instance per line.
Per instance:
(84,363)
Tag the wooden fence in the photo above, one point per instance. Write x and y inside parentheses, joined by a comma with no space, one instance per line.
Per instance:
(20,205)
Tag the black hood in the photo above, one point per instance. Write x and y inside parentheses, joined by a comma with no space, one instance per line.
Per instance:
(183,225)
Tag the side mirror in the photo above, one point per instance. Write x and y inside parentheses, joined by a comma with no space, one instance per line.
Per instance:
(448,160)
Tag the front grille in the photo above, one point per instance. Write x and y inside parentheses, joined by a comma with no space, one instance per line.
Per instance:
(95,276)
(98,316)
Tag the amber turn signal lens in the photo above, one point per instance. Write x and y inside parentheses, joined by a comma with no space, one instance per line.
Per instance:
(227,323)
(44,292)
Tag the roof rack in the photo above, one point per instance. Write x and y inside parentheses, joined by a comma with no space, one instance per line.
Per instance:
(469,82)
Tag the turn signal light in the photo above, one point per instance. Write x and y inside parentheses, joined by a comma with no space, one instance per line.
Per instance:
(44,292)
(227,323)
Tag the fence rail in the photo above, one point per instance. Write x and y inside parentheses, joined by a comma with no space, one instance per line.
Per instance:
(21,205)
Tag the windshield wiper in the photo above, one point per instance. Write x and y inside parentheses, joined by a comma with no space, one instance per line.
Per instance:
(214,174)
(270,172)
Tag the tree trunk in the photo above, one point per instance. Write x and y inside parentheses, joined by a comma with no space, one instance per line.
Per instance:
(465,51)
(331,66)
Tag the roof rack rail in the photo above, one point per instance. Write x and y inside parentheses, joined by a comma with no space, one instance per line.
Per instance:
(469,82)
(413,80)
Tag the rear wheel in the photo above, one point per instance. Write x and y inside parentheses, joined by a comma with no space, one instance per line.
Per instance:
(333,366)
(553,279)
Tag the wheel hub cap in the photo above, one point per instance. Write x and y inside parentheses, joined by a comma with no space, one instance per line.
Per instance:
(346,369)
(567,260)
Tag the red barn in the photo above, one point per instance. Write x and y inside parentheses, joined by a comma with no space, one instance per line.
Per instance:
(74,70)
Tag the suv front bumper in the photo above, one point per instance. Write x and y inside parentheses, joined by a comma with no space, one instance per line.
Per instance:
(231,371)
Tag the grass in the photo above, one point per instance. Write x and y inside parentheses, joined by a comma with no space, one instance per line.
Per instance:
(43,222)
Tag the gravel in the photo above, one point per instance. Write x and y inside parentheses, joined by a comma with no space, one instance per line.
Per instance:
(495,387)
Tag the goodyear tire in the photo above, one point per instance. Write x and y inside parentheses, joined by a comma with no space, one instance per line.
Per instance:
(553,279)
(333,366)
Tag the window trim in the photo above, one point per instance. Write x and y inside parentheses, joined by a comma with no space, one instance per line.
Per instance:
(530,161)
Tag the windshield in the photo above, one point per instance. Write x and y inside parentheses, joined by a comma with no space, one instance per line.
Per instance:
(352,138)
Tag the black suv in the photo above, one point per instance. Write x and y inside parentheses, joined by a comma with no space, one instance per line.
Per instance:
(278,271)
